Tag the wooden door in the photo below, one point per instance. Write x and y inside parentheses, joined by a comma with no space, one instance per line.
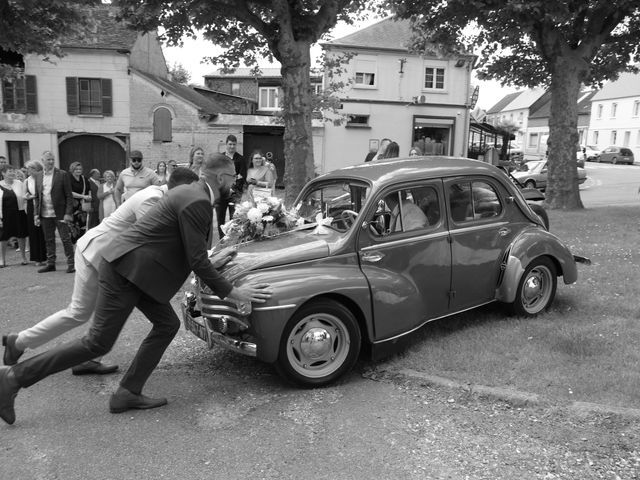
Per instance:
(92,151)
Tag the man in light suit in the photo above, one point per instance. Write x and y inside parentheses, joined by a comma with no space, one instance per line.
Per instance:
(144,267)
(88,256)
(53,210)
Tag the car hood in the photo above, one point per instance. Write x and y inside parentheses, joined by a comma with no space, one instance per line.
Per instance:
(289,247)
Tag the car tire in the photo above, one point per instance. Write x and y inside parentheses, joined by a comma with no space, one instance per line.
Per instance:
(542,213)
(614,160)
(536,289)
(333,352)
(529,184)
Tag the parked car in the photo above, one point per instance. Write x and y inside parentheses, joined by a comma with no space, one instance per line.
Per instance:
(616,155)
(383,248)
(536,175)
(589,153)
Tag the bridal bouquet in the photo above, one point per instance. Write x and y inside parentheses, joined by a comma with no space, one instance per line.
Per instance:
(265,218)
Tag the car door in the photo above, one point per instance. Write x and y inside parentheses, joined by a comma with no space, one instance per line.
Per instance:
(406,257)
(481,231)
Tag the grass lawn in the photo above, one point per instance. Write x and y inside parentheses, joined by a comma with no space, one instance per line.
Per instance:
(585,348)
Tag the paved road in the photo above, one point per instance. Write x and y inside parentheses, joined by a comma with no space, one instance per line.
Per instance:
(610,185)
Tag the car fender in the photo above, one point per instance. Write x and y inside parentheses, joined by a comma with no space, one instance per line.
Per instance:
(529,245)
(292,287)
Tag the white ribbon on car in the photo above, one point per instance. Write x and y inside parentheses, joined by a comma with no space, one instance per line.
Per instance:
(322,223)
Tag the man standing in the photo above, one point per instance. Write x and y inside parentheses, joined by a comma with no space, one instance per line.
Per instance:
(384,143)
(144,267)
(134,178)
(93,218)
(88,256)
(241,175)
(53,209)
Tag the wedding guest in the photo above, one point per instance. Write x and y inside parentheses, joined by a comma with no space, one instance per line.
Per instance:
(37,245)
(171,166)
(93,217)
(13,215)
(392,151)
(106,195)
(134,178)
(81,192)
(381,150)
(161,171)
(53,211)
(196,157)
(259,174)
(240,166)
(415,152)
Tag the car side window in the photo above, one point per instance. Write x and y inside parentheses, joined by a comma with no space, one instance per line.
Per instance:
(473,200)
(407,210)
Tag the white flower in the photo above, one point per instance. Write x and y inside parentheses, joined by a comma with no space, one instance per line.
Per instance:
(254,215)
(300,222)
(267,218)
(263,207)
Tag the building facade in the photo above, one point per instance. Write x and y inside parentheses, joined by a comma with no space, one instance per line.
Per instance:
(414,100)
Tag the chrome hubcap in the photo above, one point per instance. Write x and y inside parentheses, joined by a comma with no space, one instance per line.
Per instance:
(536,289)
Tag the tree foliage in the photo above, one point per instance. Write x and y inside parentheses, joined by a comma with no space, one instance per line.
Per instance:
(250,31)
(561,44)
(38,26)
(179,73)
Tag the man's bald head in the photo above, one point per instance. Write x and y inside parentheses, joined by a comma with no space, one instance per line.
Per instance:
(219,172)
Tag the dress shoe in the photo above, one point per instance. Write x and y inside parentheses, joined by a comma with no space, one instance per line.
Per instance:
(47,268)
(93,367)
(8,391)
(124,400)
(71,269)
(11,352)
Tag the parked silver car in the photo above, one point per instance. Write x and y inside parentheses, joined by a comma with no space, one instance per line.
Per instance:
(536,175)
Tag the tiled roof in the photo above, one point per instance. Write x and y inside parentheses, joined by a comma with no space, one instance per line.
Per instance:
(182,91)
(506,100)
(388,34)
(525,99)
(627,85)
(266,72)
(584,105)
(108,33)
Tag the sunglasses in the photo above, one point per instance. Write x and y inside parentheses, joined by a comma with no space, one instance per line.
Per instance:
(136,160)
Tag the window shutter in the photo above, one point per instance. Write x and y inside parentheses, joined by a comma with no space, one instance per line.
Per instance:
(72,96)
(8,104)
(162,125)
(107,105)
(31,93)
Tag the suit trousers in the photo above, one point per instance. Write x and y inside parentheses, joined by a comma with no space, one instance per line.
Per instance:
(49,225)
(221,213)
(116,299)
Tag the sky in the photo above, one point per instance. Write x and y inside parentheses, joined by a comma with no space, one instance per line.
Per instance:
(190,56)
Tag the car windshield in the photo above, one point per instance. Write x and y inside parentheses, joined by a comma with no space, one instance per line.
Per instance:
(536,167)
(332,199)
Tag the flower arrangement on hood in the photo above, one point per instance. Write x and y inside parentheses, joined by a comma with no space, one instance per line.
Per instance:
(265,218)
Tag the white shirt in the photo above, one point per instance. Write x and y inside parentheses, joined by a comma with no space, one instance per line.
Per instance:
(47,202)
(97,239)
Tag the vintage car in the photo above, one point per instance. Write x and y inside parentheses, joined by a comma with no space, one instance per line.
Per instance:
(387,247)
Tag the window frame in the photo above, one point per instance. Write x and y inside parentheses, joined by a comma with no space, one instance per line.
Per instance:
(434,78)
(161,131)
(364,67)
(20,95)
(266,90)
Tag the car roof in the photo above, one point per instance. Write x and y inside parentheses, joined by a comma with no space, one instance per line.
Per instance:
(396,170)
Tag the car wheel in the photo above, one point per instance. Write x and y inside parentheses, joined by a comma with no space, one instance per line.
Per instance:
(319,344)
(542,213)
(530,184)
(614,160)
(536,289)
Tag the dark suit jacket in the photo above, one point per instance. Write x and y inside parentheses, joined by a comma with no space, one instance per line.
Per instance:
(61,194)
(158,251)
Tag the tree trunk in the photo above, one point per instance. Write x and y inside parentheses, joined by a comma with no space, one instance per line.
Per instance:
(562,187)
(296,108)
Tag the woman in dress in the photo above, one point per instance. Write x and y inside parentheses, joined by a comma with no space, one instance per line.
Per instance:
(161,171)
(37,246)
(196,157)
(105,195)
(259,173)
(81,192)
(13,216)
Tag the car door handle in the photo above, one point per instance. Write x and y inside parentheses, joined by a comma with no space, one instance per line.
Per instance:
(504,231)
(372,257)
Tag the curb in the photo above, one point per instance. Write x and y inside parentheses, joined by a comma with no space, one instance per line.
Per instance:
(517,398)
